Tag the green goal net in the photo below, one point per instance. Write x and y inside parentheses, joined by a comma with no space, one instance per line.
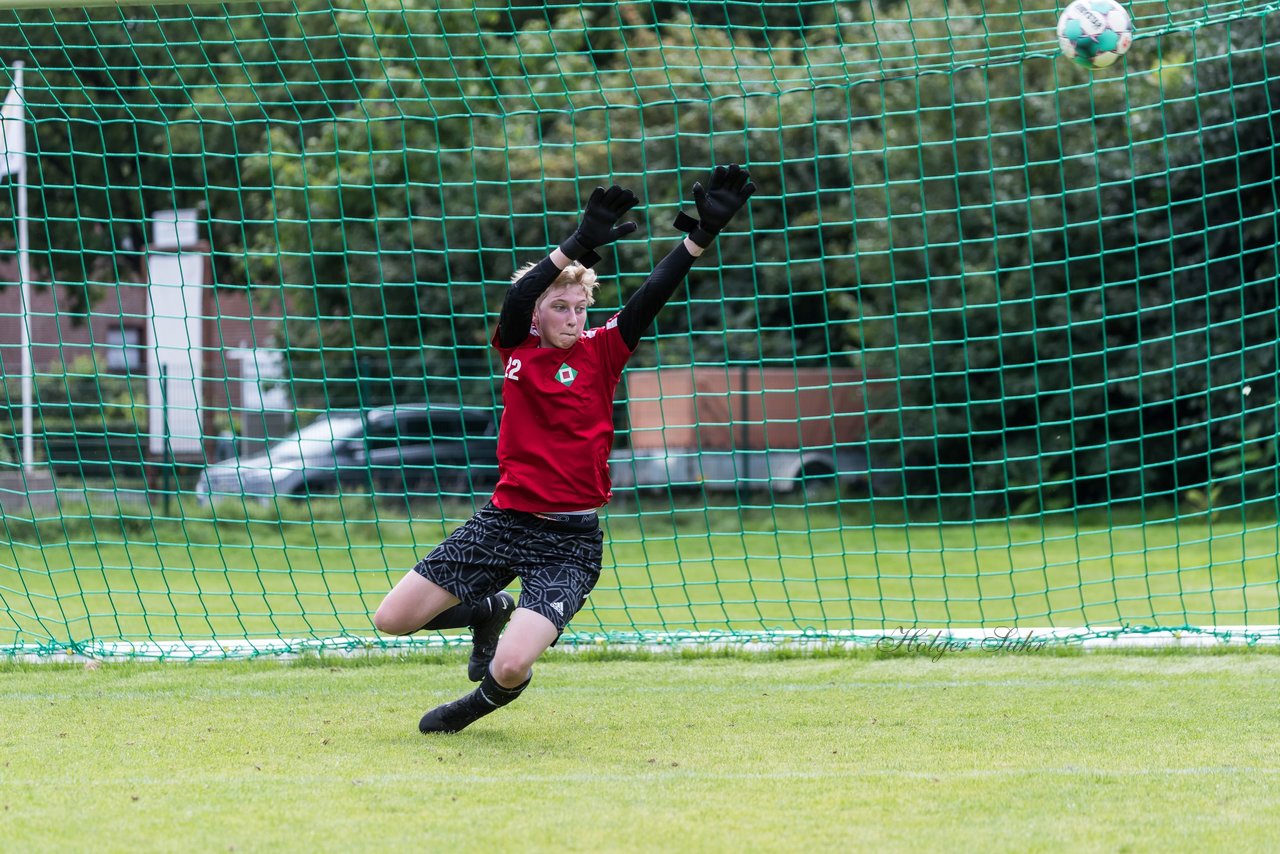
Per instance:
(994,350)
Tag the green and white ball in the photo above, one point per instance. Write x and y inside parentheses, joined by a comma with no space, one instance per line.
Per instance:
(1095,33)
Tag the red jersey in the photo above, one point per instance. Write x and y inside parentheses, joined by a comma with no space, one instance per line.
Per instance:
(557,422)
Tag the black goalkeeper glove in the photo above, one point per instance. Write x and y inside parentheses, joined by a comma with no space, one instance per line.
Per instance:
(604,208)
(727,191)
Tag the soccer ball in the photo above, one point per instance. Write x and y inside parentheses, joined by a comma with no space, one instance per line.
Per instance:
(1095,33)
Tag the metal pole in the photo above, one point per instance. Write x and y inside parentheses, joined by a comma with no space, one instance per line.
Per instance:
(168,446)
(24,278)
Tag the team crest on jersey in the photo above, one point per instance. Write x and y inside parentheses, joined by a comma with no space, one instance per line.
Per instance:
(566,375)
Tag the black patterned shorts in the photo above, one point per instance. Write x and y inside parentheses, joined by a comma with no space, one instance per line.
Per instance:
(557,562)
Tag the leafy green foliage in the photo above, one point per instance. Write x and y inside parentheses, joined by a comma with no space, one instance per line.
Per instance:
(83,398)
(1069,279)
(86,419)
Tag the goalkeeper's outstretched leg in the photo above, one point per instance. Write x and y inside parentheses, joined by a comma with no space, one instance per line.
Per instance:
(528,636)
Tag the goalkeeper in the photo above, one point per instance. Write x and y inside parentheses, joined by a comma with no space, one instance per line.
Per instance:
(556,433)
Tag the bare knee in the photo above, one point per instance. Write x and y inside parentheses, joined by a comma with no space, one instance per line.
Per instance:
(510,670)
(526,638)
(387,621)
(411,604)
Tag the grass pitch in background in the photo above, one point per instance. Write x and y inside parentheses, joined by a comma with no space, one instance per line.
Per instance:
(704,570)
(969,752)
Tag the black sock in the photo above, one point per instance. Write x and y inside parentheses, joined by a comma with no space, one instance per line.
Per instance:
(451,618)
(461,615)
(497,696)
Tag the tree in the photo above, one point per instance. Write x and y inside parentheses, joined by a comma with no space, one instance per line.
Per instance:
(1068,281)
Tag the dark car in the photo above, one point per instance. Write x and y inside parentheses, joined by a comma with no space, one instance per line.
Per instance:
(415,450)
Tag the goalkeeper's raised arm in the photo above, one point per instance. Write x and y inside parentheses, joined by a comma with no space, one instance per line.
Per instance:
(599,227)
(727,191)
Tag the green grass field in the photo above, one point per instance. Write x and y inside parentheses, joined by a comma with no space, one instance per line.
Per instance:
(74,579)
(864,750)
(1107,752)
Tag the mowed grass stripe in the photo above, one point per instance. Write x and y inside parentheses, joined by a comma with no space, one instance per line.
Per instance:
(516,776)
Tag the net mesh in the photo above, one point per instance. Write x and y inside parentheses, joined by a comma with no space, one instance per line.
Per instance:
(994,347)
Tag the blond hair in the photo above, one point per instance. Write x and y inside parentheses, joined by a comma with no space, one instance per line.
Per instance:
(573,275)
